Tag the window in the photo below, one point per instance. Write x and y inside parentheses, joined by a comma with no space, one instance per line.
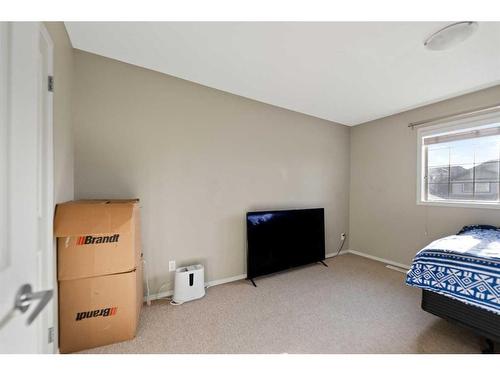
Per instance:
(459,163)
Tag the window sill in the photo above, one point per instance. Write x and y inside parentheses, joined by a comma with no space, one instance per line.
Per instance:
(460,204)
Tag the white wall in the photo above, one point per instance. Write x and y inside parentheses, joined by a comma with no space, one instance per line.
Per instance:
(198,159)
(385,220)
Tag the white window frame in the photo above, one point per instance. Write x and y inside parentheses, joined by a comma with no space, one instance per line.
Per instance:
(463,124)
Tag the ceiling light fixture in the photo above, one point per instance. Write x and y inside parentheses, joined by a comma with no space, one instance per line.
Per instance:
(450,35)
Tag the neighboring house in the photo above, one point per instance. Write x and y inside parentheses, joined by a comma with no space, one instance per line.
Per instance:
(457,182)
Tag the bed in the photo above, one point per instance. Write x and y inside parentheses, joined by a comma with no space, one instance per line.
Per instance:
(460,280)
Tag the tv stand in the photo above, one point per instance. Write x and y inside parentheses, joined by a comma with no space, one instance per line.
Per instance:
(255,285)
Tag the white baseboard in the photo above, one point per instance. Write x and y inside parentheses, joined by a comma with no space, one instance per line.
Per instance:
(170,293)
(153,297)
(331,255)
(386,261)
(226,280)
(208,284)
(391,267)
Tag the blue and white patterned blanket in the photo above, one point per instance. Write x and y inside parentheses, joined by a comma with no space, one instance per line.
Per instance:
(465,267)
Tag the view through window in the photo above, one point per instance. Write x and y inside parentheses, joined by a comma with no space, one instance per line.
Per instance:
(463,166)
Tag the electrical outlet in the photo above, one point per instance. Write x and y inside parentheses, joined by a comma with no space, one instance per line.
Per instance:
(342,236)
(171,265)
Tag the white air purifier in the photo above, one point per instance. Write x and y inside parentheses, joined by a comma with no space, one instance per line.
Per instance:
(189,283)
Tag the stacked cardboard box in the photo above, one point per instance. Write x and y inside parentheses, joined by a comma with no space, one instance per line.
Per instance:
(99,269)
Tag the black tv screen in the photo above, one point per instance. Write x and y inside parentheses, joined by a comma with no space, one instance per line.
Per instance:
(278,240)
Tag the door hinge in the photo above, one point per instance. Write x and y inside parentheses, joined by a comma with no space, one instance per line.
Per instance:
(51,335)
(51,83)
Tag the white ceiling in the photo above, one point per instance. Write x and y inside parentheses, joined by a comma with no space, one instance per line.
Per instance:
(347,72)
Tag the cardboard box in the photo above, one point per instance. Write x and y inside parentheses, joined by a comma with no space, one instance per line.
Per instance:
(98,311)
(97,237)
(99,269)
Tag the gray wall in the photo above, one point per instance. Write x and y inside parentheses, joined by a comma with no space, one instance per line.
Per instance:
(198,159)
(385,220)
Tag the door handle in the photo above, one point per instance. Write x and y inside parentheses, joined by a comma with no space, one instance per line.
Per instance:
(25,296)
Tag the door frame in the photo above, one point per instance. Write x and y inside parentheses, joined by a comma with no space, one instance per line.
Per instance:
(4,133)
(47,271)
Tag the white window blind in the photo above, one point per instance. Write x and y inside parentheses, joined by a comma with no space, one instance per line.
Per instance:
(442,138)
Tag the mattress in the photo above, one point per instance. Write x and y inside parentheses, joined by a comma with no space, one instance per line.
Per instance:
(465,267)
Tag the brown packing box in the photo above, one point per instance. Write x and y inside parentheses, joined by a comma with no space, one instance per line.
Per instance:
(97,237)
(98,311)
(99,270)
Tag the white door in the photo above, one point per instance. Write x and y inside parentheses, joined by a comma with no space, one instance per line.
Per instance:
(26,189)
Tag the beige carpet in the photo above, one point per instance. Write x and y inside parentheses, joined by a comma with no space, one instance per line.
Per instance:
(354,306)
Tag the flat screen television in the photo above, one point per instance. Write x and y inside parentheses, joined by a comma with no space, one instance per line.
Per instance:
(279,240)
